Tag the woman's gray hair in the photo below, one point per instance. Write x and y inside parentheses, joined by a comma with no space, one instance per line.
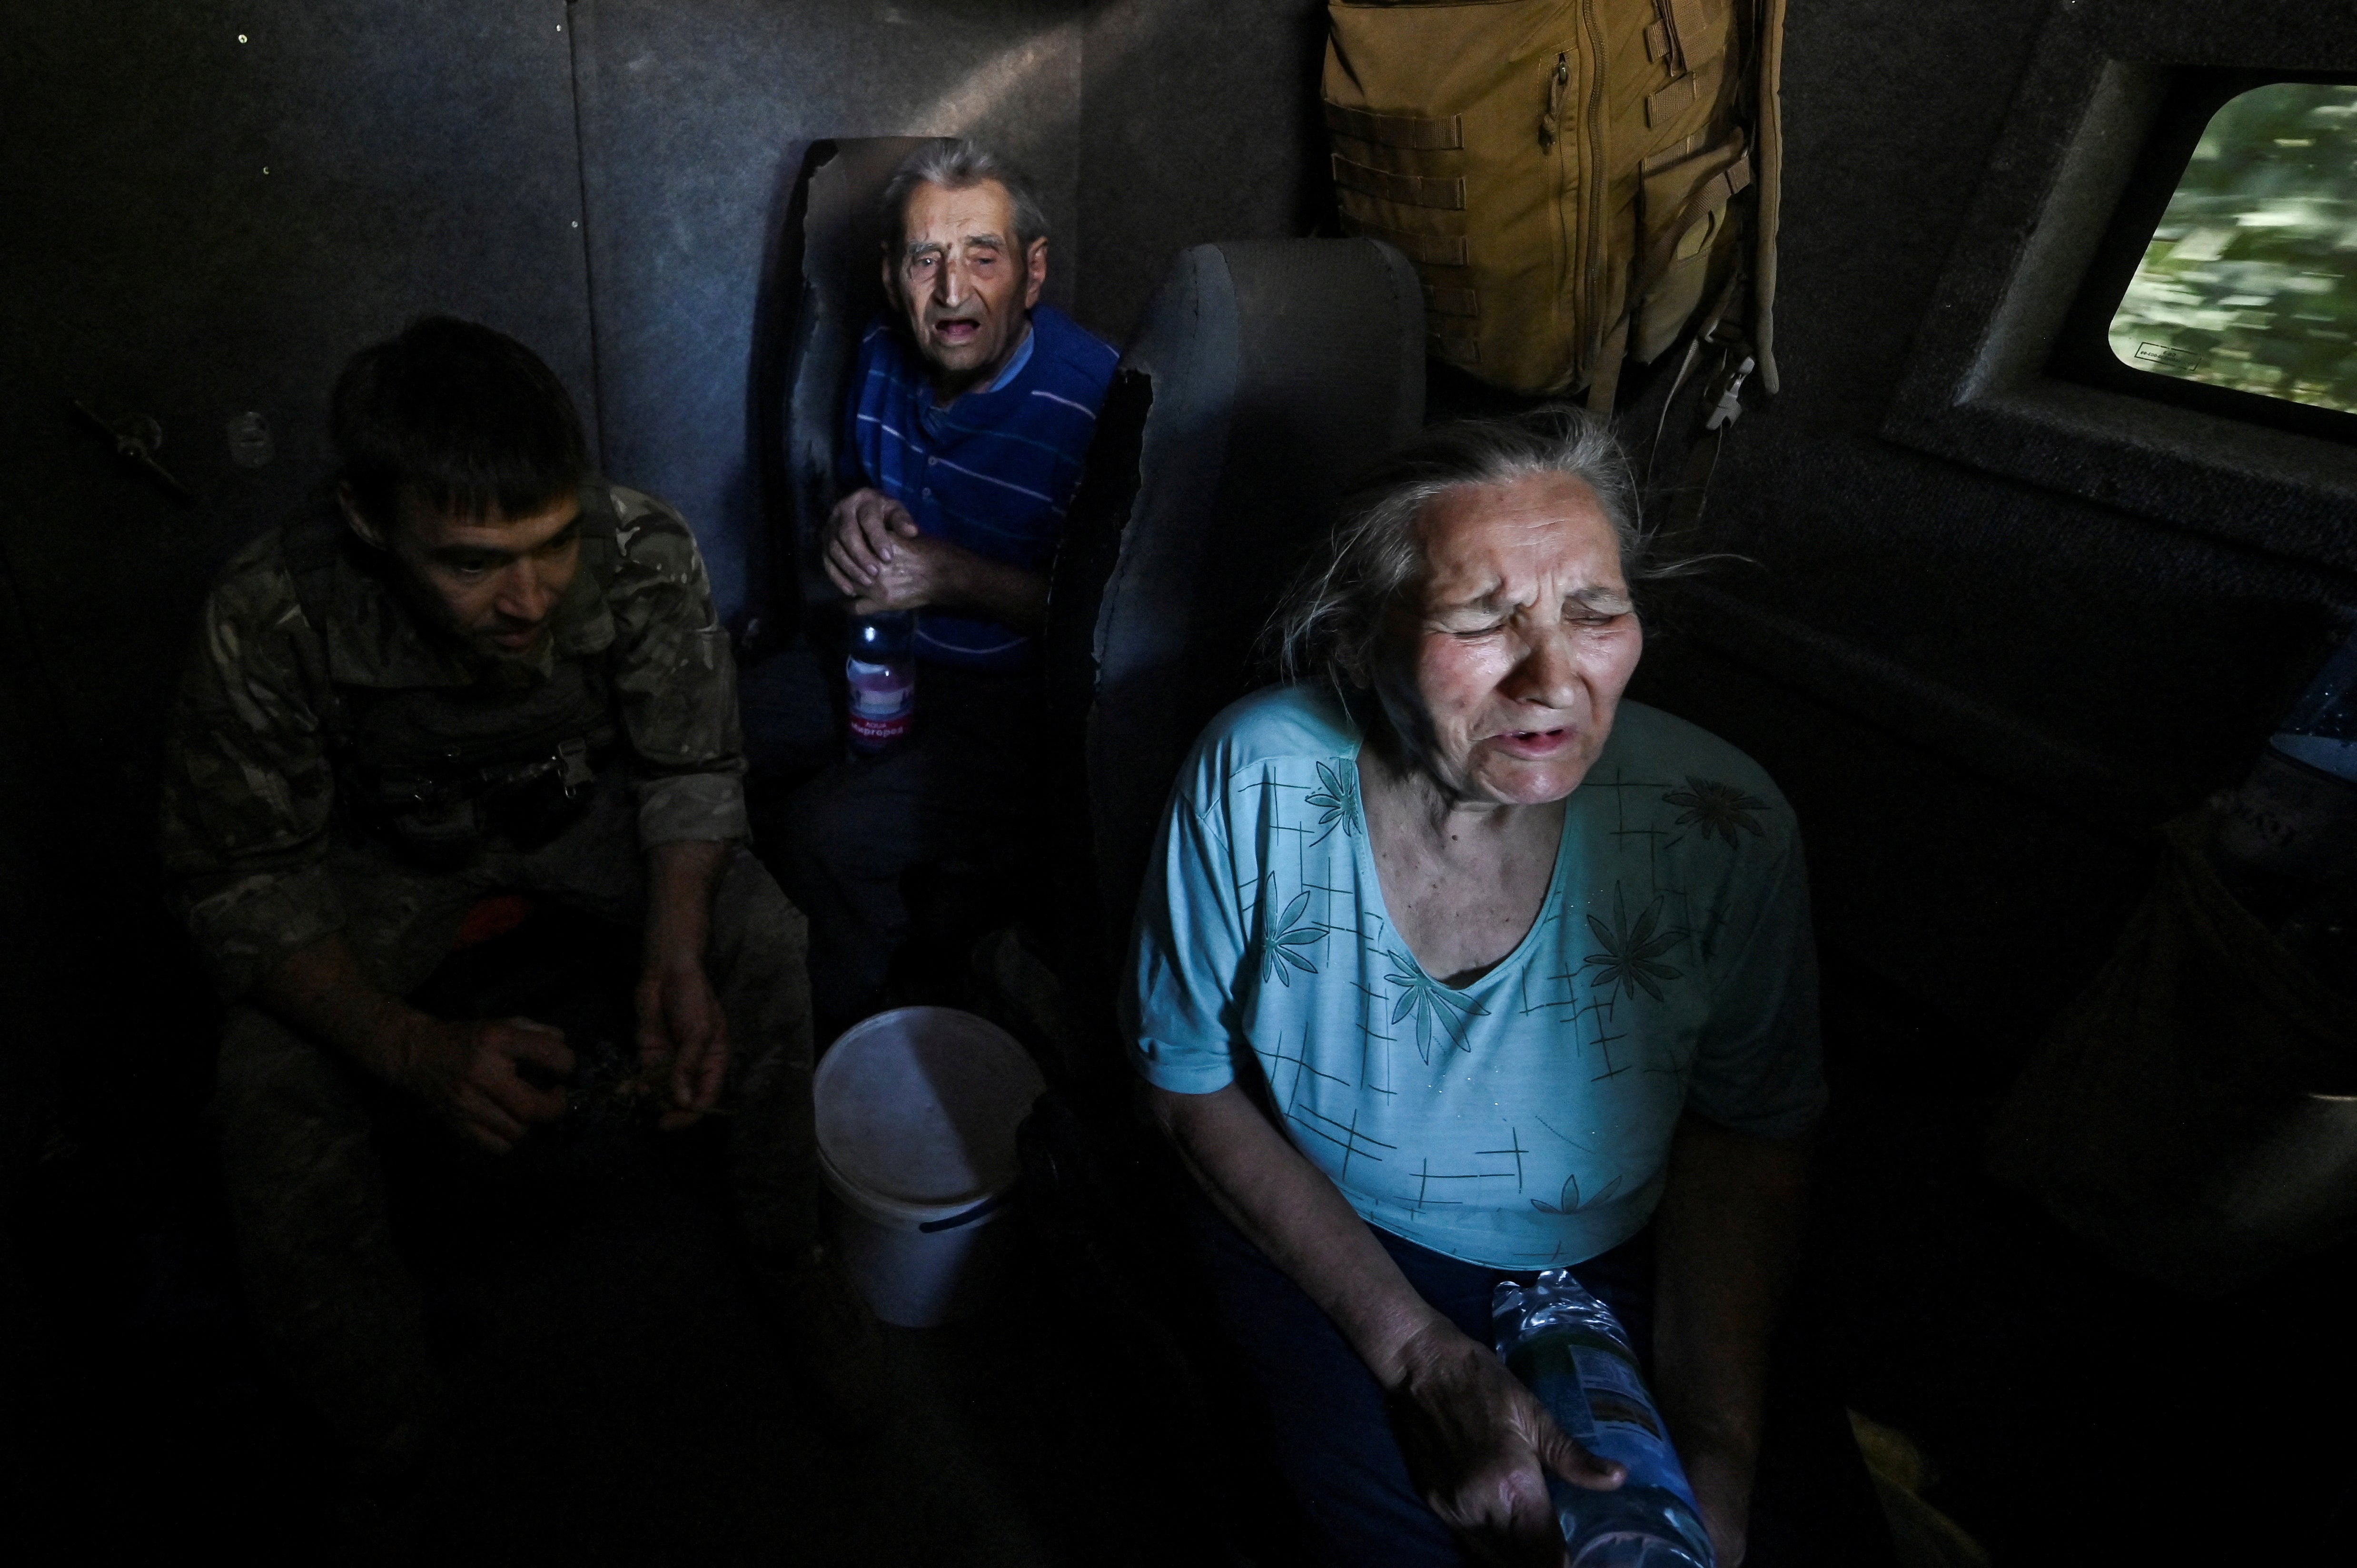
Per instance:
(957,163)
(1349,598)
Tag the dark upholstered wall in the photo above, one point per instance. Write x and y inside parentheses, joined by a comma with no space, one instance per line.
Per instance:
(1981,694)
(203,227)
(1199,122)
(210,207)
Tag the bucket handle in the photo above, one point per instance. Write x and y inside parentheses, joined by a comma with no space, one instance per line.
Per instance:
(987,1207)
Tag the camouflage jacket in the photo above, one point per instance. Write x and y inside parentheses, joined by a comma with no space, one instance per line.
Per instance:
(249,803)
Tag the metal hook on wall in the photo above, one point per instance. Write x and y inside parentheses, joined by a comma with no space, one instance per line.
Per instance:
(136,440)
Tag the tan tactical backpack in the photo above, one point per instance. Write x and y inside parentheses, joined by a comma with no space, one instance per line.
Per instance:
(1564,173)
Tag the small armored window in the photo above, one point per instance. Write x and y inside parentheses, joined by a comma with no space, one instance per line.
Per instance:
(2230,280)
(2250,281)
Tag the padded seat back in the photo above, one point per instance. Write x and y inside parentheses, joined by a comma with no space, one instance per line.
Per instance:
(1266,374)
(829,270)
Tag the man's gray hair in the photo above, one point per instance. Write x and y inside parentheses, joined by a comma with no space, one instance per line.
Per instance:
(957,163)
(1348,598)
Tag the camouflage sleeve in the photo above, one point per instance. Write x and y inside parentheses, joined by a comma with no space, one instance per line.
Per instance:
(247,785)
(675,680)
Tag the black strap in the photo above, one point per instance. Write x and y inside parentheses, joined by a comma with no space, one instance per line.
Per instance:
(312,546)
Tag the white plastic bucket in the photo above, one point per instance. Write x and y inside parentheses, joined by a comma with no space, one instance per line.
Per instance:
(917,1110)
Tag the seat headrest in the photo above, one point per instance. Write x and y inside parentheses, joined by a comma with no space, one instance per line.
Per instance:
(828,269)
(1266,375)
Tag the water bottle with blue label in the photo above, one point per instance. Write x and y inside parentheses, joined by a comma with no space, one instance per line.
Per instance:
(882,672)
(1571,1351)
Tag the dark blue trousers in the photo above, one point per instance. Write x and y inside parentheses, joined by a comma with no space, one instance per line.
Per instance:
(1326,1414)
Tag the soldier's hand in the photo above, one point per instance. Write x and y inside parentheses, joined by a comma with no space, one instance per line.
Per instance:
(680,1025)
(469,1073)
(864,535)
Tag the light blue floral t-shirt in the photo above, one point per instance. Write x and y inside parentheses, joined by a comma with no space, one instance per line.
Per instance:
(1524,1120)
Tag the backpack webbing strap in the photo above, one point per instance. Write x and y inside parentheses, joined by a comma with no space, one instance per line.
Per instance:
(1396,130)
(1408,189)
(311,547)
(1707,198)
(1770,142)
(1442,301)
(1454,346)
(1606,382)
(1689,30)
(1430,250)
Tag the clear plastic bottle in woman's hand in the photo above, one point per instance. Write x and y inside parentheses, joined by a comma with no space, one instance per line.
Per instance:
(882,672)
(1572,1352)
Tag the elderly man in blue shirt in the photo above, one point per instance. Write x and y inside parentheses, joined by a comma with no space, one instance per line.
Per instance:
(970,412)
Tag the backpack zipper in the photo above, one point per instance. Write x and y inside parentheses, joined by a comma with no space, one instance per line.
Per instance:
(1592,188)
(1551,123)
(1551,141)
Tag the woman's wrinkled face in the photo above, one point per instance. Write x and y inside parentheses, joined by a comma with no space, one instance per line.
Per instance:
(1526,638)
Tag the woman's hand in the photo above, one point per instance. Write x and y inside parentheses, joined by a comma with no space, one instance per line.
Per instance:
(1480,1446)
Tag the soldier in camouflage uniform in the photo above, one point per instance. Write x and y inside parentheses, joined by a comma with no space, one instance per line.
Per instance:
(480,670)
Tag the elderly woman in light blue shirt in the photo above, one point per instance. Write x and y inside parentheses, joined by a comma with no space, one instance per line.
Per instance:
(1461,966)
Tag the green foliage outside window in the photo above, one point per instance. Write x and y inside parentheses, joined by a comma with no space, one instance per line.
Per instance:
(2250,281)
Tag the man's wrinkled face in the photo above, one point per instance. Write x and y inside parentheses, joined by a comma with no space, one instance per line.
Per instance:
(493,582)
(1514,667)
(965,289)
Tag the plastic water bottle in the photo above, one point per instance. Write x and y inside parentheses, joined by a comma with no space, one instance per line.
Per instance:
(1573,1353)
(2321,728)
(882,670)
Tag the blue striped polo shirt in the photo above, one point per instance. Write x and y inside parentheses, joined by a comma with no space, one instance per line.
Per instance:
(993,472)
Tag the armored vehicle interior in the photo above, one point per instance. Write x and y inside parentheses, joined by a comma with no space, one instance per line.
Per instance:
(2048,522)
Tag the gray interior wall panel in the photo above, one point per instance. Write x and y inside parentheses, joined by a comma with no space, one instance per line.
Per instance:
(203,227)
(1200,124)
(694,116)
(1889,112)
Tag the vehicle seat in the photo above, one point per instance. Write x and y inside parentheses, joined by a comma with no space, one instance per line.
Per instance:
(1266,375)
(828,278)
(823,291)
